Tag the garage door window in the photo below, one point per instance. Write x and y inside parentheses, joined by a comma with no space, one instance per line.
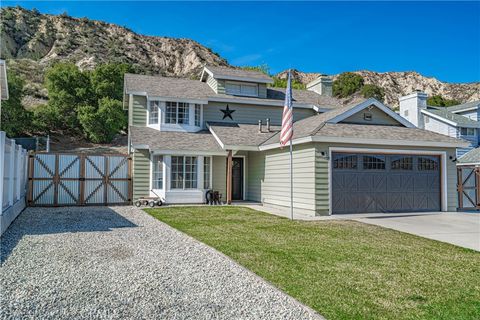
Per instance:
(345,161)
(427,164)
(374,162)
(401,163)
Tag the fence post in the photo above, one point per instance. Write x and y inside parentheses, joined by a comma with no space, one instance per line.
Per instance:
(2,165)
(13,148)
(19,171)
(48,143)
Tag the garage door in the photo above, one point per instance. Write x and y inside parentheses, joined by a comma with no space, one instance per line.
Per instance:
(385,183)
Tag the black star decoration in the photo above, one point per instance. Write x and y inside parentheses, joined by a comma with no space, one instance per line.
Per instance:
(227,113)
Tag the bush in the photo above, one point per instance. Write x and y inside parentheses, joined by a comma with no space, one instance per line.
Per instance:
(440,101)
(15,119)
(372,91)
(282,83)
(107,80)
(102,124)
(347,84)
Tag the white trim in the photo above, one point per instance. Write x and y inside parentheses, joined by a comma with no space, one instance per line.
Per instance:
(140,146)
(241,83)
(3,137)
(215,136)
(366,104)
(403,143)
(189,152)
(468,164)
(231,147)
(466,109)
(450,122)
(443,172)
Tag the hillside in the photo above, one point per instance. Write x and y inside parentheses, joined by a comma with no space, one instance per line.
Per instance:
(397,84)
(31,42)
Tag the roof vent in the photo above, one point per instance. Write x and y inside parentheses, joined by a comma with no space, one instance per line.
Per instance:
(260,126)
(268,124)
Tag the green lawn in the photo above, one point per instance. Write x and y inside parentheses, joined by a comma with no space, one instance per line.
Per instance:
(342,269)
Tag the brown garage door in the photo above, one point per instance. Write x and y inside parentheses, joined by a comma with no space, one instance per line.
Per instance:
(364,182)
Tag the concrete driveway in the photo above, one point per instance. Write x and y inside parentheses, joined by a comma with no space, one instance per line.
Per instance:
(461,229)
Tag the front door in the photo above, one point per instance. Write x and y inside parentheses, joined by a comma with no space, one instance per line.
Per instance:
(237,178)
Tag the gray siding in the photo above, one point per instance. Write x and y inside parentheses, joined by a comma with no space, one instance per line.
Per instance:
(138,111)
(219,175)
(269,179)
(378,118)
(141,173)
(250,114)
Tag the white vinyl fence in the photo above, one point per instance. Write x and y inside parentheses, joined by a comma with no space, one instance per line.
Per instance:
(13,177)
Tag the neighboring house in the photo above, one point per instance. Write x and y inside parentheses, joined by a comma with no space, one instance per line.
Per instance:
(471,158)
(189,136)
(3,81)
(461,121)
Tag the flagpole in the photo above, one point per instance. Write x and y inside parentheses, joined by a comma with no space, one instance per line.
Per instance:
(291,181)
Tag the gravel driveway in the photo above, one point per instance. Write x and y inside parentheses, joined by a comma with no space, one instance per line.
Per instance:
(120,263)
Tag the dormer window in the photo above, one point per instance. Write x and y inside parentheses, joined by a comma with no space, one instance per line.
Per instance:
(241,89)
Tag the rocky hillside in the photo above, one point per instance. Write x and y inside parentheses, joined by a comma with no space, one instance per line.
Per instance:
(32,41)
(397,84)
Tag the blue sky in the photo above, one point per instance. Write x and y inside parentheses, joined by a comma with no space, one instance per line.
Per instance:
(438,39)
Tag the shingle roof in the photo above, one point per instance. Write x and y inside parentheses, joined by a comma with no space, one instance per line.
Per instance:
(472,156)
(156,86)
(230,73)
(379,132)
(170,140)
(463,106)
(458,119)
(167,87)
(233,134)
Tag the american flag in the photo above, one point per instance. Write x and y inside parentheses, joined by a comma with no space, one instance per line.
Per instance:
(287,117)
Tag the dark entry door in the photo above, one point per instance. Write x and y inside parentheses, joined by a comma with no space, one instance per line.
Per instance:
(237,179)
(385,183)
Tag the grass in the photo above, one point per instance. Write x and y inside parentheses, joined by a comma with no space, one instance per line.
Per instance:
(342,269)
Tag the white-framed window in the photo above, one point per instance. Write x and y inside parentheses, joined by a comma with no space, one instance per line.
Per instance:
(183,172)
(467,131)
(198,111)
(241,89)
(157,172)
(153,111)
(207,184)
(177,112)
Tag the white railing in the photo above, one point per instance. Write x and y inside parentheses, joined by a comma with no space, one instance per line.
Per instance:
(13,178)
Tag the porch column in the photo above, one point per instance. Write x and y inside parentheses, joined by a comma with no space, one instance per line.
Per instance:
(229,177)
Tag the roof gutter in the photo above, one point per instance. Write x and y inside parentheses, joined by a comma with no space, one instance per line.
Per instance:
(382,142)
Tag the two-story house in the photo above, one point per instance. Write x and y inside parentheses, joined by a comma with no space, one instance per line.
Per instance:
(460,121)
(222,133)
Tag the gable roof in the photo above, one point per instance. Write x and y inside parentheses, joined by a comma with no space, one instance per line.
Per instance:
(226,73)
(471,157)
(327,127)
(179,88)
(167,87)
(443,114)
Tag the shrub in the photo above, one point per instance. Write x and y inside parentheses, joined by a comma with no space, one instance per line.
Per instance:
(347,84)
(372,91)
(439,101)
(282,83)
(102,124)
(15,119)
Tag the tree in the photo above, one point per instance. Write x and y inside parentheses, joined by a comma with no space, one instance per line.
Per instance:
(16,120)
(68,89)
(282,83)
(102,124)
(347,84)
(372,91)
(264,68)
(439,101)
(107,80)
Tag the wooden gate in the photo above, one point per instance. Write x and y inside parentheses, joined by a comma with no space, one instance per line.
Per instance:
(57,179)
(468,187)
